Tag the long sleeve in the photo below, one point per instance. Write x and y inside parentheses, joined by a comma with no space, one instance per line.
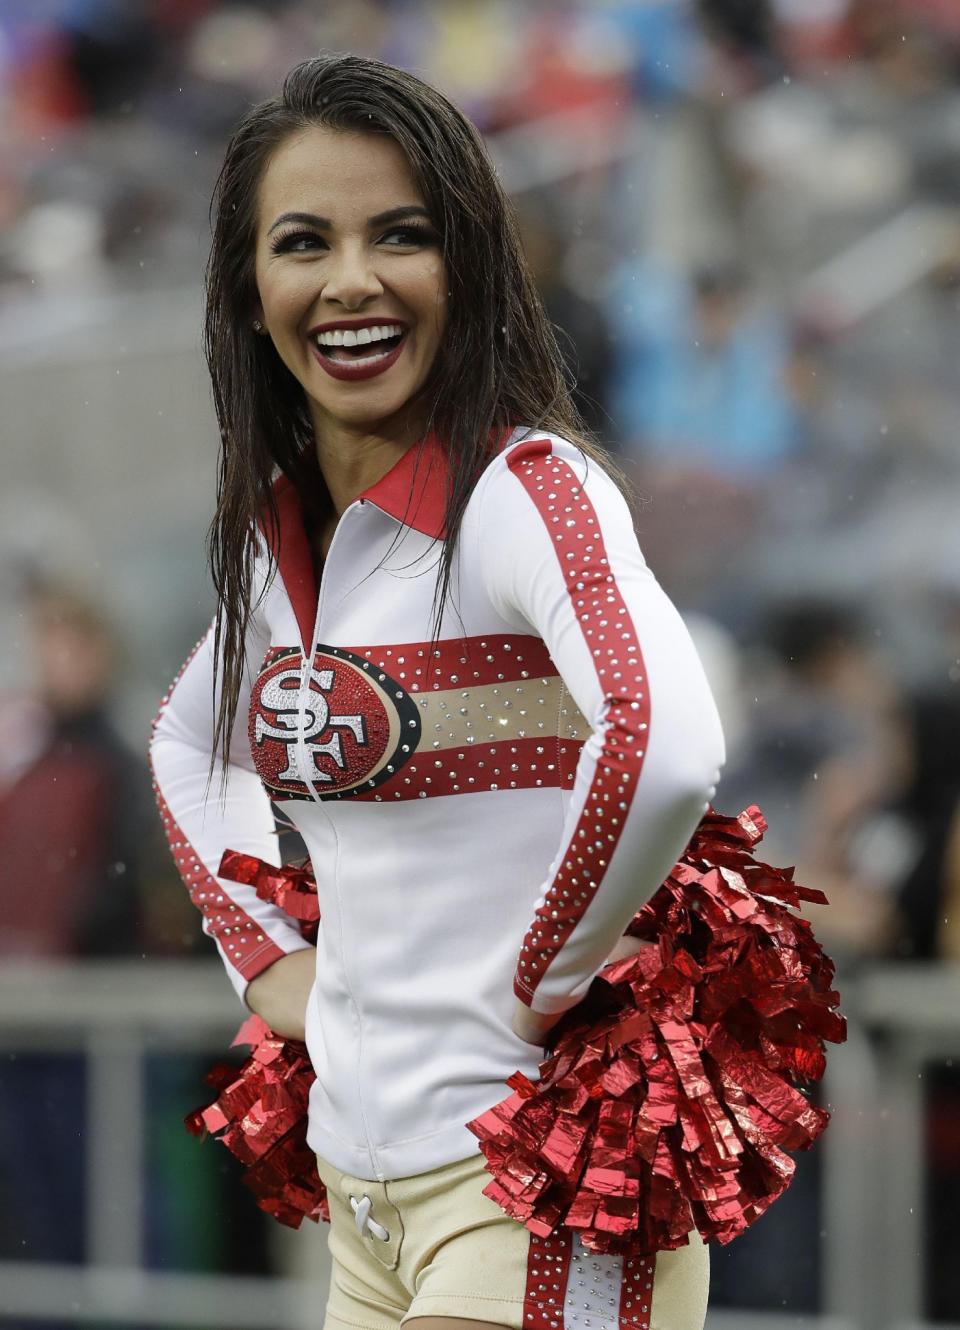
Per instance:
(202,817)
(559,557)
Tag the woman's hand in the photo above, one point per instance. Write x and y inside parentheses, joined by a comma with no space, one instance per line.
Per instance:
(279,994)
(534,1026)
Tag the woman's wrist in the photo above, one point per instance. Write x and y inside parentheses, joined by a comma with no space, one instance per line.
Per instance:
(533,1026)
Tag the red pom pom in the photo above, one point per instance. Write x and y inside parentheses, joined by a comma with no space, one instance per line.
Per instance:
(670,1094)
(260,1114)
(293,887)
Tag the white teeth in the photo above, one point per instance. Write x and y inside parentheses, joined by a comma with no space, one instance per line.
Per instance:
(360,337)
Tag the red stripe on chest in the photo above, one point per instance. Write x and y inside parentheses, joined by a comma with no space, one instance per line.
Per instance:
(462,662)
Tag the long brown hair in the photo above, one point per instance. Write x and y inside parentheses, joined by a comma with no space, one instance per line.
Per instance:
(498,367)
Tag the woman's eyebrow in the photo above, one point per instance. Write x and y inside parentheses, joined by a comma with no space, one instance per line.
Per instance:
(324,223)
(397,214)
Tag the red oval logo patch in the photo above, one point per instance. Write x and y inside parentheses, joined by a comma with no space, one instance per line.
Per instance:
(359,726)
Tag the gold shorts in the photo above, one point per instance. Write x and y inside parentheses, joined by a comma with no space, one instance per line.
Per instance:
(434,1245)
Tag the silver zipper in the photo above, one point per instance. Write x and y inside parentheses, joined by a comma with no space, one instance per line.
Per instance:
(303,757)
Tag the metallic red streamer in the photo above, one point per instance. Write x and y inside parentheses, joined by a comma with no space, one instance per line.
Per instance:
(669,1095)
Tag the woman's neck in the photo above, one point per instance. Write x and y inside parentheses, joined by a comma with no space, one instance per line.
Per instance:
(352,460)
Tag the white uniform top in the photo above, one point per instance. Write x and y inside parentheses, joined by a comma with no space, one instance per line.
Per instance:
(484,816)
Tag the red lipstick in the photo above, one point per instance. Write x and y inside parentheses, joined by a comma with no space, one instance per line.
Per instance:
(366,367)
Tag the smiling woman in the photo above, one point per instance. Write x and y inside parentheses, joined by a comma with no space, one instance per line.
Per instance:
(347,257)
(439,651)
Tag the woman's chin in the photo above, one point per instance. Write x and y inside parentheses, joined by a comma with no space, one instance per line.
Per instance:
(367,409)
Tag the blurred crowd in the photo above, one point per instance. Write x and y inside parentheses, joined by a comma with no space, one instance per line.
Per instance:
(744,216)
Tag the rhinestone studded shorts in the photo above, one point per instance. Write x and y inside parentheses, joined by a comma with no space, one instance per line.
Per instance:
(434,1245)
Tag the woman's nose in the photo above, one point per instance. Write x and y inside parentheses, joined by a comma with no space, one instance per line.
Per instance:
(352,278)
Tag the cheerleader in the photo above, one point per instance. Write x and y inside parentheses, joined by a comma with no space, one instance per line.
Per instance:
(438,651)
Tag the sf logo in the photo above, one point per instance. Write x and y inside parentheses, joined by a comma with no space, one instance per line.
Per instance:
(279,696)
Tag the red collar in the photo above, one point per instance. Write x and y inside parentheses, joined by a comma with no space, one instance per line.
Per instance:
(413,492)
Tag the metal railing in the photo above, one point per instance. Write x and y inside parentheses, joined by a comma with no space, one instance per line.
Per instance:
(901,1019)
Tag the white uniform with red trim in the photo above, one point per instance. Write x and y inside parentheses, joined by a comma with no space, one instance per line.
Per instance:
(483,817)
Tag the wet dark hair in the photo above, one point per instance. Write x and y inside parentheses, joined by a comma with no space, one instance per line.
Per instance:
(498,366)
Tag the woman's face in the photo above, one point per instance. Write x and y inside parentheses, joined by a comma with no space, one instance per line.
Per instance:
(351,283)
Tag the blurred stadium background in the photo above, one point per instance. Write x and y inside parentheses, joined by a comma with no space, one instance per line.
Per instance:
(745,218)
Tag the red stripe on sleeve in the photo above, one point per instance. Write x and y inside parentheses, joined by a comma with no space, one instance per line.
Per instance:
(246,946)
(610,635)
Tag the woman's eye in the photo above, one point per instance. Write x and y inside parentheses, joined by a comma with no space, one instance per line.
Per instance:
(400,237)
(408,236)
(297,242)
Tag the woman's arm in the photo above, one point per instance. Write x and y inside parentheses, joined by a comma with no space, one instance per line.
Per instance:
(279,994)
(560,558)
(204,815)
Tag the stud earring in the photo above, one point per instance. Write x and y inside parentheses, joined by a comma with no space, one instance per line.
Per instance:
(257,326)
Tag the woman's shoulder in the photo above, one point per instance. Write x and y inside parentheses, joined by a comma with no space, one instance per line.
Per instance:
(538,448)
